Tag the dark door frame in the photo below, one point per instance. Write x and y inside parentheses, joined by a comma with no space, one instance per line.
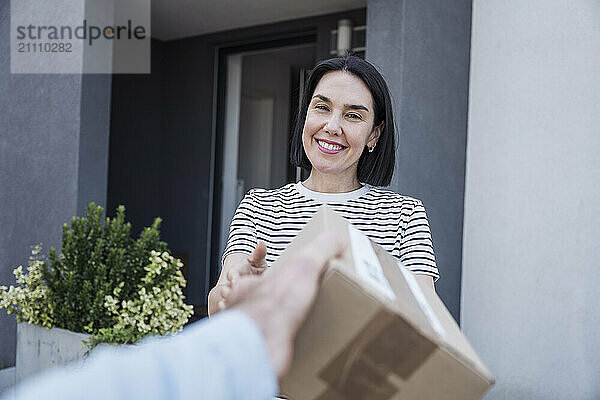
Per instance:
(308,36)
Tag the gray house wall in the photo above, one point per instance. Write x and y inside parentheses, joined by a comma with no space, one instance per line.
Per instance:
(531,260)
(422,50)
(53,130)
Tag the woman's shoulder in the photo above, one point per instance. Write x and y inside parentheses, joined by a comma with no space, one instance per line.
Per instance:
(286,192)
(377,194)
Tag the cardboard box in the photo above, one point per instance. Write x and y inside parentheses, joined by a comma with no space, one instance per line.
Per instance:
(374,333)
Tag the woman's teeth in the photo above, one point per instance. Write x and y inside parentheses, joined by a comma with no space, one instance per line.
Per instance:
(330,146)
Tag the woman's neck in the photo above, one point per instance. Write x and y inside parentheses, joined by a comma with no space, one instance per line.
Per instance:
(328,183)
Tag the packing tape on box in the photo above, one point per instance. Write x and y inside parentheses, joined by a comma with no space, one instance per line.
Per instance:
(386,345)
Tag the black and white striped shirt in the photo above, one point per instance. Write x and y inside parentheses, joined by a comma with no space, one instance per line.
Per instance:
(395,222)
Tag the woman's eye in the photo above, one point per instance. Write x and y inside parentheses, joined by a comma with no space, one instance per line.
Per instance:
(321,107)
(354,116)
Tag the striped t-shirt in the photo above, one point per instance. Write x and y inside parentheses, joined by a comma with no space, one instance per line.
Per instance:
(395,222)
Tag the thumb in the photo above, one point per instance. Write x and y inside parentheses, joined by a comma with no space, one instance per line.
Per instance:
(257,258)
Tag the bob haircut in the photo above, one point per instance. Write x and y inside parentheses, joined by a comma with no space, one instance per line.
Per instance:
(374,168)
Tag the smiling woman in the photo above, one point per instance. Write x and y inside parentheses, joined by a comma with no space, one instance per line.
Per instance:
(344,134)
(339,124)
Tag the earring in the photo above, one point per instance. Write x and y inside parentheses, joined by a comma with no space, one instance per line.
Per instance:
(372,148)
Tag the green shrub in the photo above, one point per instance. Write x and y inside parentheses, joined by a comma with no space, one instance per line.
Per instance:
(104,283)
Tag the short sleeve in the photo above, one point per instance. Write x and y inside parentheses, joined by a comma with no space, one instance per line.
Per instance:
(416,246)
(242,231)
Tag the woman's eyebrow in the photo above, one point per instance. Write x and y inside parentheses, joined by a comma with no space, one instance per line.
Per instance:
(320,96)
(356,107)
(349,106)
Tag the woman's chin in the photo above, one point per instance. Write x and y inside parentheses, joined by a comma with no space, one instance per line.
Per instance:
(328,166)
(326,169)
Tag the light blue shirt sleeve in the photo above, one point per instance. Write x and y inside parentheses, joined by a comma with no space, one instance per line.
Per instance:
(223,358)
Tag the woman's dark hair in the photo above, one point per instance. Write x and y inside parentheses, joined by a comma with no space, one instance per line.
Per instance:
(374,168)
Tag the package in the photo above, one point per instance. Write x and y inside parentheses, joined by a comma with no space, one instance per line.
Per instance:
(374,333)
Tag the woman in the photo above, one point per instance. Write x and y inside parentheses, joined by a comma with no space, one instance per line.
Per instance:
(344,134)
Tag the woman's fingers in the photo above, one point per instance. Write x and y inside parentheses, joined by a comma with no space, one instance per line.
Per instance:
(233,274)
(237,271)
(224,292)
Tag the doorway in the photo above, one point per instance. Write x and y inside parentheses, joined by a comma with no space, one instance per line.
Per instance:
(256,112)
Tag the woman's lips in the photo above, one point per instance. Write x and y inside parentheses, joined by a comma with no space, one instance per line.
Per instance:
(326,150)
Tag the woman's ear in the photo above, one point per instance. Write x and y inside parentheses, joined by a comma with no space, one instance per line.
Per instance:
(374,137)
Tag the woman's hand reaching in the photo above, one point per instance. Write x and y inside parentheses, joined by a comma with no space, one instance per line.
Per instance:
(236,266)
(255,264)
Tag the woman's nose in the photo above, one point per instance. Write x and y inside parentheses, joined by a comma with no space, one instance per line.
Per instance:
(333,125)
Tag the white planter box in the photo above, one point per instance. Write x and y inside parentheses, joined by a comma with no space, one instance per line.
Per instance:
(39,348)
(7,381)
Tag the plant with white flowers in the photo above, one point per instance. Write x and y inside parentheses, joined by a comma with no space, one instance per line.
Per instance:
(104,283)
(28,300)
(158,309)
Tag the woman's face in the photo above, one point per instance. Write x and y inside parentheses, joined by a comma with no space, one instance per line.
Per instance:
(339,124)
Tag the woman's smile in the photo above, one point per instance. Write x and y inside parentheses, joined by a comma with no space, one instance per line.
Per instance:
(329,147)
